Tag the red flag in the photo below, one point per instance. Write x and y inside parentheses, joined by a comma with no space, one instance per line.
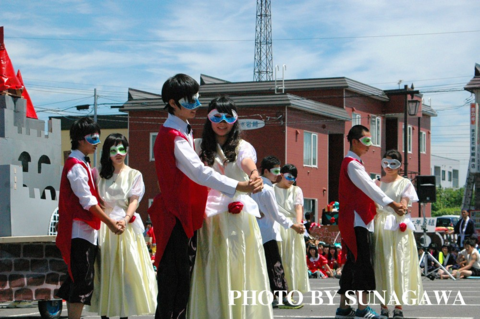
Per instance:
(8,80)
(30,109)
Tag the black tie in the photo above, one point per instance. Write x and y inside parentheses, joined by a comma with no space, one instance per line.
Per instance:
(189,128)
(87,159)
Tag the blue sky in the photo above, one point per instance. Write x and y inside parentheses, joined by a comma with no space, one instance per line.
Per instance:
(66,48)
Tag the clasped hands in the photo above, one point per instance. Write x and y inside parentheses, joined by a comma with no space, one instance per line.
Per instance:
(118,226)
(256,184)
(399,209)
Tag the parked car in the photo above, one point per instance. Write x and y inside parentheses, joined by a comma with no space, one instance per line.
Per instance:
(446,222)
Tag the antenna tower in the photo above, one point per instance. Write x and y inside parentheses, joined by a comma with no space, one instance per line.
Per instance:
(263,64)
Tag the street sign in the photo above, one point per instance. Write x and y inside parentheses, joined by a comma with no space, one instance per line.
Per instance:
(431,223)
(474,139)
(251,124)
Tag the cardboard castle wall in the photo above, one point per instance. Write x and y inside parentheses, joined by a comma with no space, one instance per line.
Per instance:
(30,170)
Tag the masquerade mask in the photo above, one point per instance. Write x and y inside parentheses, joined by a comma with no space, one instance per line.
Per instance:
(119,149)
(216,117)
(93,139)
(289,177)
(186,104)
(366,140)
(275,171)
(391,163)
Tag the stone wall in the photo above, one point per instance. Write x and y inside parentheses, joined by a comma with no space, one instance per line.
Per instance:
(30,271)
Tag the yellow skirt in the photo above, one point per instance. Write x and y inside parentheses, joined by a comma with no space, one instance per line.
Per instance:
(125,283)
(293,251)
(396,263)
(230,257)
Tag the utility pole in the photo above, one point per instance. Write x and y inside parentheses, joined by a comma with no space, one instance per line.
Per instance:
(95,120)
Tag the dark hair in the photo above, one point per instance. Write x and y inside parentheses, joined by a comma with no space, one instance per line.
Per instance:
(80,128)
(177,87)
(113,139)
(356,132)
(223,104)
(268,163)
(335,255)
(289,168)
(470,241)
(313,247)
(393,154)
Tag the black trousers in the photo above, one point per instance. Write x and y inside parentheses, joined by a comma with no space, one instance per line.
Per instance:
(173,274)
(82,260)
(276,274)
(358,274)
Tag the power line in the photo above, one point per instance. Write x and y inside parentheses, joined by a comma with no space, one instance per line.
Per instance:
(247,40)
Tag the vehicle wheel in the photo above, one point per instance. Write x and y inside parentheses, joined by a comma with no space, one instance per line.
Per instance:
(50,309)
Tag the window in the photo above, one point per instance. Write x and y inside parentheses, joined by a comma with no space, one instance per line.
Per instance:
(309,206)
(375,129)
(153,137)
(43,160)
(52,229)
(423,142)
(455,178)
(375,176)
(50,189)
(409,139)
(443,175)
(309,149)
(25,159)
(436,172)
(356,119)
(449,176)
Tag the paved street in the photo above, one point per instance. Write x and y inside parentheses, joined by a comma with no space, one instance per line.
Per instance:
(469,290)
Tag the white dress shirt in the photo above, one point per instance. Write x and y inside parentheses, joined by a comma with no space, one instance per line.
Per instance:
(190,164)
(360,178)
(267,204)
(78,178)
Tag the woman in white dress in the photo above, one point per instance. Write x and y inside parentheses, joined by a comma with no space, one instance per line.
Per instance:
(396,257)
(292,247)
(124,282)
(230,254)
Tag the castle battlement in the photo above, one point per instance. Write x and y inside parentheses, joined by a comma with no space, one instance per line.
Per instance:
(30,170)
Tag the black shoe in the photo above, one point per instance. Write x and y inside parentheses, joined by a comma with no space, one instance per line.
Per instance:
(431,277)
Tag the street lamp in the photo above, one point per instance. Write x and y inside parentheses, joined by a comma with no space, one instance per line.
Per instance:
(411,108)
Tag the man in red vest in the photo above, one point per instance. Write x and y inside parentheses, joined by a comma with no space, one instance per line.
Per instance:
(178,211)
(357,196)
(79,218)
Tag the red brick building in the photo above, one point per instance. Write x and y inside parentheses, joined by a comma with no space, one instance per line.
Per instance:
(306,126)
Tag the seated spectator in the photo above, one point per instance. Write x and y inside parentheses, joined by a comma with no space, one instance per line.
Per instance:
(446,258)
(317,264)
(334,258)
(427,261)
(472,267)
(326,249)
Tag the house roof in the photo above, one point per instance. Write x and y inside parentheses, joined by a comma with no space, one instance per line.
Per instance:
(105,121)
(428,110)
(475,82)
(289,100)
(212,85)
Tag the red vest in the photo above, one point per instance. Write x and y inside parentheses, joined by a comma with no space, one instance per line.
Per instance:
(351,199)
(180,198)
(69,208)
